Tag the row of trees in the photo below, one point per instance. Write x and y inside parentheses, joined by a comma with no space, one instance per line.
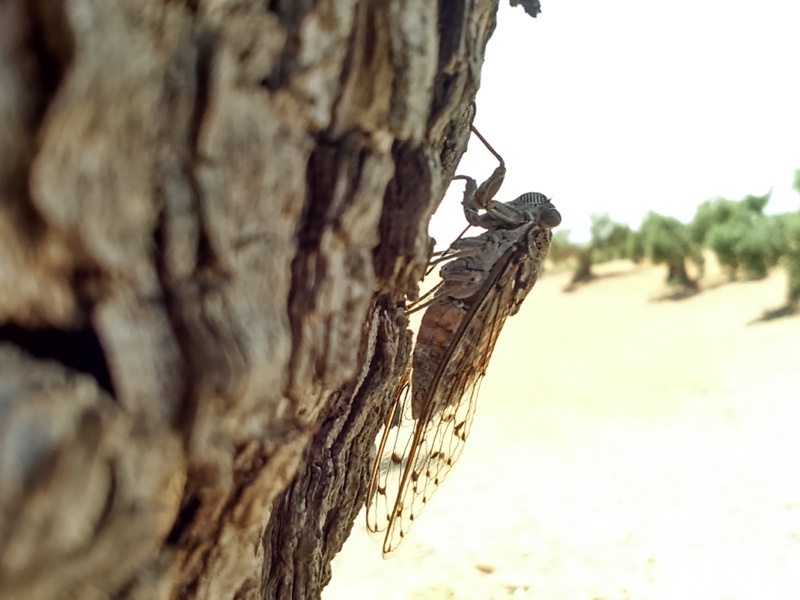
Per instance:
(747,243)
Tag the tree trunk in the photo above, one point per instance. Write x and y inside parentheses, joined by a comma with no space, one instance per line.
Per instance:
(583,270)
(678,274)
(210,215)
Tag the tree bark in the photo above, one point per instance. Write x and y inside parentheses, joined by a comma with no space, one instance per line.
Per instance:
(210,214)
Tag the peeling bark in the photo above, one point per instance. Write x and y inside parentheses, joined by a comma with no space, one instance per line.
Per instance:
(210,214)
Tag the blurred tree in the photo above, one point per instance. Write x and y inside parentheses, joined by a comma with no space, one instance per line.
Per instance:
(756,204)
(720,210)
(608,241)
(790,225)
(748,243)
(609,238)
(583,268)
(634,247)
(665,240)
(562,250)
(791,257)
(742,237)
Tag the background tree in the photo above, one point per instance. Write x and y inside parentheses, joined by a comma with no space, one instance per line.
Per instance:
(665,240)
(708,214)
(790,224)
(608,238)
(635,249)
(562,250)
(210,213)
(796,184)
(791,258)
(747,244)
(608,241)
(583,265)
(743,238)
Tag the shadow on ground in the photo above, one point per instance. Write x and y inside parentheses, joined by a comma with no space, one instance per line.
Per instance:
(775,313)
(575,285)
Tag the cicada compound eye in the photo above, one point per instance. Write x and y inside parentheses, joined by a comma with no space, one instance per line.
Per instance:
(550,217)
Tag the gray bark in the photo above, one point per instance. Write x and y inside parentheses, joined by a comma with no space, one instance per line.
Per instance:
(210,214)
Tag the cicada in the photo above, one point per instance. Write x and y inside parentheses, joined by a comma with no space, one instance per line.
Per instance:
(484,280)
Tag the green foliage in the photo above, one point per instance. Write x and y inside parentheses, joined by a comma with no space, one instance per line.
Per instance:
(561,248)
(708,214)
(666,240)
(718,211)
(761,247)
(609,239)
(635,247)
(756,204)
(790,224)
(608,242)
(723,239)
(749,243)
(793,291)
(739,233)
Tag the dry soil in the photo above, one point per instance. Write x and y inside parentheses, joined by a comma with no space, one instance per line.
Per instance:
(623,448)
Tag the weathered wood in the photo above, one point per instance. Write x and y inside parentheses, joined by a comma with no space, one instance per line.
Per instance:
(210,211)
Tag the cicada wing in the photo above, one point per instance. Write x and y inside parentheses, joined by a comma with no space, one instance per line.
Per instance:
(393,450)
(435,448)
(441,431)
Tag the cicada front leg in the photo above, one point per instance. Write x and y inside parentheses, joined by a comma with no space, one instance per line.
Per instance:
(495,215)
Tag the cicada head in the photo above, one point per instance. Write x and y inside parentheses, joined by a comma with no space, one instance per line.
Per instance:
(539,207)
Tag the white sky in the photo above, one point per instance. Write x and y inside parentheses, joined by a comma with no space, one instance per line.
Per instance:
(626,106)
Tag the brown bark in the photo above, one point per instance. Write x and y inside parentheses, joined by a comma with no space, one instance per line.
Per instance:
(210,213)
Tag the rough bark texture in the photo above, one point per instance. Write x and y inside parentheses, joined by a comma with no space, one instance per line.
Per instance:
(210,213)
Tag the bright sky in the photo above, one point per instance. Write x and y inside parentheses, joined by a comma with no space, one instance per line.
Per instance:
(626,106)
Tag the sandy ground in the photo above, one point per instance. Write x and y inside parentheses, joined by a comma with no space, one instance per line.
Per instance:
(623,449)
